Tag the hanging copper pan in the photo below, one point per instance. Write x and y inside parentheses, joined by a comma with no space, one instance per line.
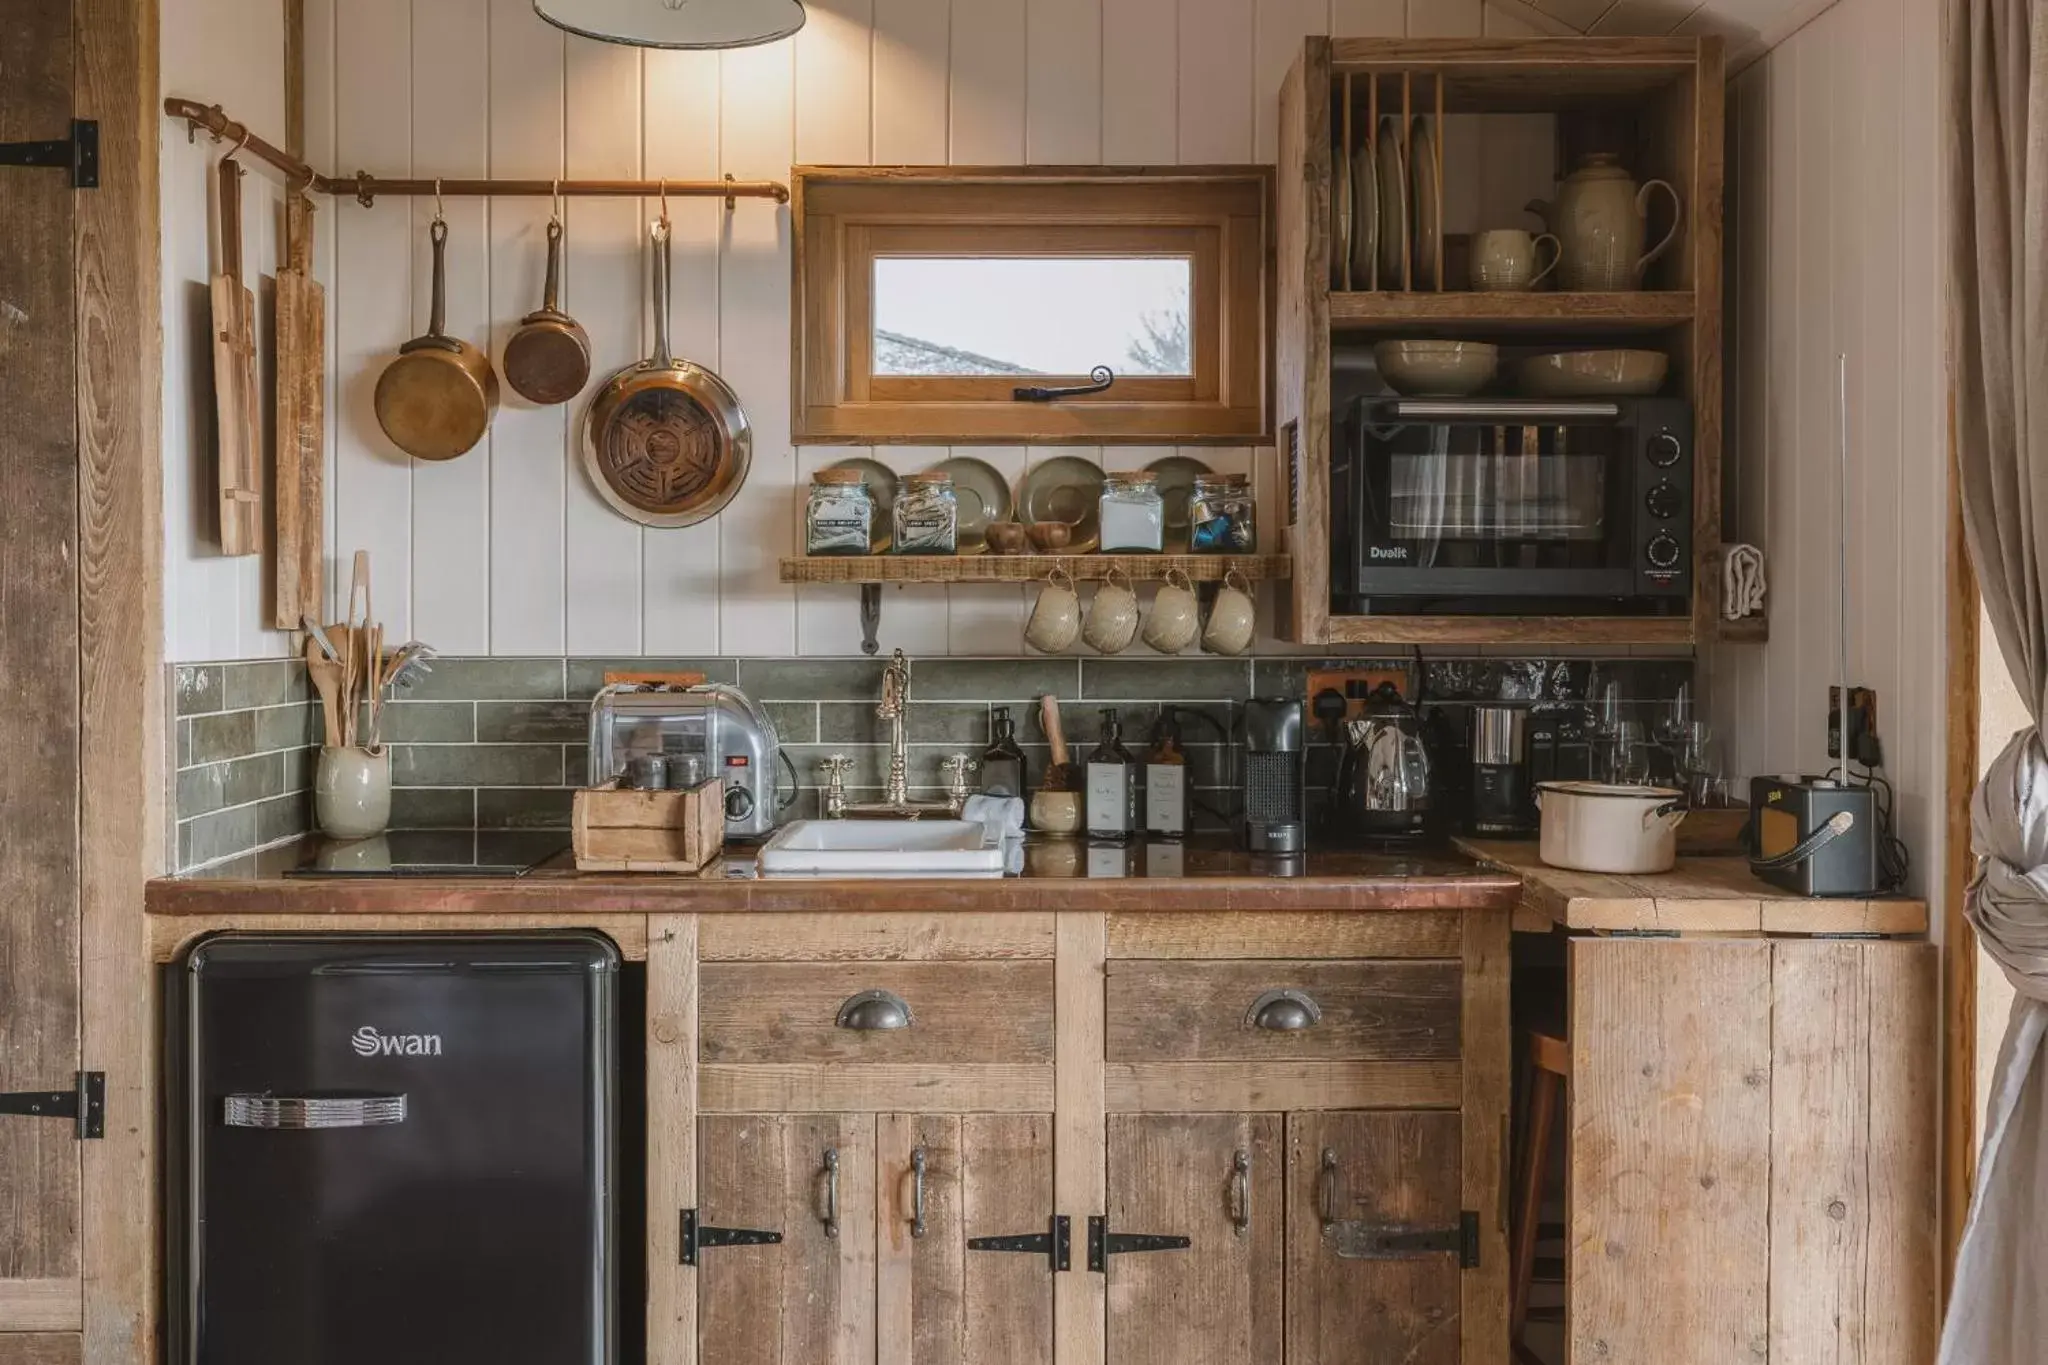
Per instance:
(436,400)
(548,358)
(665,441)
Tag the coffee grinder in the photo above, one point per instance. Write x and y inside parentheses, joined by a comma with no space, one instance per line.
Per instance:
(1500,771)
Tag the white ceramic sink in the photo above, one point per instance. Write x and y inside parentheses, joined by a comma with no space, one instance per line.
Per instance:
(881,848)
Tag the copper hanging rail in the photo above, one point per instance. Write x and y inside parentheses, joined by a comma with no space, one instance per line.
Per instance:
(365,188)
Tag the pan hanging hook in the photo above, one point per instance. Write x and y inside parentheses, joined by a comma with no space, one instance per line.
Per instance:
(555,203)
(664,205)
(240,169)
(440,218)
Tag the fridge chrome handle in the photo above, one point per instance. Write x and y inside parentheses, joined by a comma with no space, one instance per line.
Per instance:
(313,1111)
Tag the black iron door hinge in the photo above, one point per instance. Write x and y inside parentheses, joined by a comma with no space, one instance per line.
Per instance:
(700,1237)
(78,153)
(1103,1244)
(1357,1240)
(85,1103)
(1055,1243)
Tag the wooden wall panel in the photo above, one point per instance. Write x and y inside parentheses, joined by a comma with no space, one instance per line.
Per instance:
(1063,82)
(1830,252)
(39,639)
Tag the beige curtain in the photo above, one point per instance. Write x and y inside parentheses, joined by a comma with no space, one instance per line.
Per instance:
(1996,169)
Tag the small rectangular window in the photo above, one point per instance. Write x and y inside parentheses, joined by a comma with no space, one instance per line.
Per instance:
(926,299)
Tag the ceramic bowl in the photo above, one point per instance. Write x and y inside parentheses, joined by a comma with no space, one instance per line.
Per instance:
(1436,369)
(1592,374)
(1006,537)
(1050,536)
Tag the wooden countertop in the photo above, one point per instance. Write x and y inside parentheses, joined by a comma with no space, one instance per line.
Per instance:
(1211,876)
(1701,895)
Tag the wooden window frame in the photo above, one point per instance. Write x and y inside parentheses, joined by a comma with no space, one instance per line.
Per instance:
(1219,218)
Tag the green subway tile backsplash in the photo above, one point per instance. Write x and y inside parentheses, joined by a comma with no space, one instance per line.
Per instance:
(500,743)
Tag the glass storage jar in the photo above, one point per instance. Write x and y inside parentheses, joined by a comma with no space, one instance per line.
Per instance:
(1133,514)
(927,515)
(1220,517)
(840,514)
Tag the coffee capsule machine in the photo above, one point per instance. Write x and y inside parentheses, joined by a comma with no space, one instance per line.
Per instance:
(1273,770)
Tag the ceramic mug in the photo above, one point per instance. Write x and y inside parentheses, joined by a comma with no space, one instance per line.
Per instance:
(352,792)
(1176,616)
(1055,617)
(1113,616)
(1504,259)
(1232,617)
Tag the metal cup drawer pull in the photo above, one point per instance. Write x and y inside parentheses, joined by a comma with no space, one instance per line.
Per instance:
(313,1111)
(1287,1011)
(831,1174)
(872,1011)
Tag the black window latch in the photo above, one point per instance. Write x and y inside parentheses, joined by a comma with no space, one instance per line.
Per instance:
(78,153)
(1099,378)
(85,1103)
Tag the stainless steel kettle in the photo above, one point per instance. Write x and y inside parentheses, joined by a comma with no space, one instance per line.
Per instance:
(1383,783)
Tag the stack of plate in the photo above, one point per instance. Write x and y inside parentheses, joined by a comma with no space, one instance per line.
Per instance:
(1382,208)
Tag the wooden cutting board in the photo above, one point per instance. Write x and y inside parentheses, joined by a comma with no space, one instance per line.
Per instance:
(239,470)
(301,424)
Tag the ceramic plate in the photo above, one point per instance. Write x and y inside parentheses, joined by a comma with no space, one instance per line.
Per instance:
(1341,216)
(1427,228)
(882,488)
(1365,222)
(983,494)
(1393,169)
(1177,475)
(1065,488)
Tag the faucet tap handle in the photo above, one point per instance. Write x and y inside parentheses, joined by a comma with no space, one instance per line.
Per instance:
(956,767)
(835,769)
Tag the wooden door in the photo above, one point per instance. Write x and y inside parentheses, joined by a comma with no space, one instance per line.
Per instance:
(40,1275)
(1216,1180)
(1388,1168)
(810,1298)
(940,1300)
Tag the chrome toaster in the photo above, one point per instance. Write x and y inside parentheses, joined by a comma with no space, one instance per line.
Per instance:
(721,724)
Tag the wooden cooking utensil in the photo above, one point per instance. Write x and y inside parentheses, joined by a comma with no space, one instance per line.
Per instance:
(1059,774)
(548,358)
(301,423)
(436,400)
(239,470)
(326,678)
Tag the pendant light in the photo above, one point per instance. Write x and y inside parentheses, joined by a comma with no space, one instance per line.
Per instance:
(676,23)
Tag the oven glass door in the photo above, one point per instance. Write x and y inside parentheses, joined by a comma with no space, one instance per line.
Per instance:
(1470,495)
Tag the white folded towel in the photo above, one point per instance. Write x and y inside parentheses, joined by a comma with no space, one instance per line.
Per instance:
(1742,587)
(1001,816)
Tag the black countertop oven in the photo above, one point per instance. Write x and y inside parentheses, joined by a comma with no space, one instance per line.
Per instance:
(399,1149)
(1505,506)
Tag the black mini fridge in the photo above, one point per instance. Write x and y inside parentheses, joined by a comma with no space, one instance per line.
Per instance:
(393,1150)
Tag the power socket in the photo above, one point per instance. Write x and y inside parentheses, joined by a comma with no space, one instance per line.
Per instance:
(1865,749)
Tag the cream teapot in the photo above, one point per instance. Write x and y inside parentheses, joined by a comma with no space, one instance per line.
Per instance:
(1600,219)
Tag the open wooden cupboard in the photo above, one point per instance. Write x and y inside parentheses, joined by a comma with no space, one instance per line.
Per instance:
(1657,99)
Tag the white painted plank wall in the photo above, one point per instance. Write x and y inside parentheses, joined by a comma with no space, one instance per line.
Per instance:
(506,550)
(1832,250)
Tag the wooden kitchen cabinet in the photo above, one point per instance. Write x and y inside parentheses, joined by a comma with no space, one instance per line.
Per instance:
(1113,1073)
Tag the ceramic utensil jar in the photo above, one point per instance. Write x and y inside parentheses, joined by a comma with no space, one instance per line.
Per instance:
(352,792)
(1601,218)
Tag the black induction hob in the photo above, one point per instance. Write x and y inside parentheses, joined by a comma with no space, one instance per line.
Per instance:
(433,853)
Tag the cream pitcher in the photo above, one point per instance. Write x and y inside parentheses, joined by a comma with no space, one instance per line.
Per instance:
(1599,217)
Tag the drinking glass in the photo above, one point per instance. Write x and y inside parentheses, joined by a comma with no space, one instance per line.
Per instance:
(1628,754)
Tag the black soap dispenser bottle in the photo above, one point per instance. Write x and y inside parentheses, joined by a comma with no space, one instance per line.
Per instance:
(1002,763)
(1111,785)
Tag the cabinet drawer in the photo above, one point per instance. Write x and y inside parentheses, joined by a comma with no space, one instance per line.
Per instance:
(969,1012)
(1212,1011)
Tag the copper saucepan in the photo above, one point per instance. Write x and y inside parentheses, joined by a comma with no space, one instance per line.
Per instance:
(436,400)
(548,358)
(665,441)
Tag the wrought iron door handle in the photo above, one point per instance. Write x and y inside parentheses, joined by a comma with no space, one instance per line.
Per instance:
(917,1161)
(831,1174)
(1241,1188)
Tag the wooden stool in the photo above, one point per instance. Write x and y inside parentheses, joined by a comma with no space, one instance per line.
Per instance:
(1550,1068)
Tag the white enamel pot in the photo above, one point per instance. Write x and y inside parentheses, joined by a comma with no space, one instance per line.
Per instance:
(1606,827)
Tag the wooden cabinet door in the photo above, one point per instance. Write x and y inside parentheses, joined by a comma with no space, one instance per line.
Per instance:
(1390,1168)
(809,1299)
(973,1177)
(1216,1180)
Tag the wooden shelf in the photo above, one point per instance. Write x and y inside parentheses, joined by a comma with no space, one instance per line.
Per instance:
(1507,630)
(988,568)
(1538,312)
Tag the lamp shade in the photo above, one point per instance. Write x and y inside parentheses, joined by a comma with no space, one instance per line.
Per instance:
(676,23)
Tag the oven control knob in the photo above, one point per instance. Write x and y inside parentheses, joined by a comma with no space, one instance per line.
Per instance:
(739,803)
(1664,501)
(1662,552)
(1665,449)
